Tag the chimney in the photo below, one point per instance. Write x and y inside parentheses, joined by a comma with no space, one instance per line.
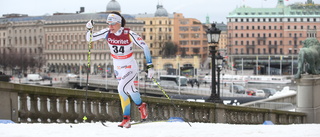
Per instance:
(81,9)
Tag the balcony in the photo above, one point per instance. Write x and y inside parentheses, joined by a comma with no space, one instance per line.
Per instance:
(261,38)
(273,46)
(250,46)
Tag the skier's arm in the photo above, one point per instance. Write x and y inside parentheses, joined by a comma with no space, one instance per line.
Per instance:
(95,36)
(98,35)
(140,43)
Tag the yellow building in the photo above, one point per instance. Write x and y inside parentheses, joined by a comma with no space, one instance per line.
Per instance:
(158,29)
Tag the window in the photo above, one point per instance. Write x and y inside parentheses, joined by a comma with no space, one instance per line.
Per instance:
(196,28)
(184,35)
(184,29)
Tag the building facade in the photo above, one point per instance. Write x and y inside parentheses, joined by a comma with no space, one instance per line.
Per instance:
(21,41)
(60,40)
(268,40)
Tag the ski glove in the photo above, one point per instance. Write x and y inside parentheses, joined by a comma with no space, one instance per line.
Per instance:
(89,25)
(150,70)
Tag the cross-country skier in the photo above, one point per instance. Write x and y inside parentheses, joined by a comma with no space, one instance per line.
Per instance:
(120,41)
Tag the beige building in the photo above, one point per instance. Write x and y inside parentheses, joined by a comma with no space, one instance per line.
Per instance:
(187,34)
(60,40)
(158,29)
(21,39)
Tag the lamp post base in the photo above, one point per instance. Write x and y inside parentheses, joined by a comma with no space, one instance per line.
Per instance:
(214,99)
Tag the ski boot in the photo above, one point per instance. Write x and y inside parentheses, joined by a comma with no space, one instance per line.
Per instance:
(125,122)
(143,111)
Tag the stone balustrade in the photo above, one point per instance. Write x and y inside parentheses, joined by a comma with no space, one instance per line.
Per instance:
(60,105)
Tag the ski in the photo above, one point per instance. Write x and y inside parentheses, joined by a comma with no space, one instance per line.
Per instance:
(145,122)
(138,122)
(103,123)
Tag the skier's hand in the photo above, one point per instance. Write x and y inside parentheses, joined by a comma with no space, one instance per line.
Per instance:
(150,70)
(90,24)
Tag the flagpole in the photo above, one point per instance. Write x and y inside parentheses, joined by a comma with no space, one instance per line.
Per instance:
(257,66)
(242,66)
(269,65)
(280,65)
(292,64)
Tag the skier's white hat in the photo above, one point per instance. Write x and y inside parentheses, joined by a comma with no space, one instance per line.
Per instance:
(113,19)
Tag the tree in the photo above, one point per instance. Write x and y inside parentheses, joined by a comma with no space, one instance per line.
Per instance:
(13,60)
(170,49)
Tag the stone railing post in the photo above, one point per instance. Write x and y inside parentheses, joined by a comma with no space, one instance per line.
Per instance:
(23,112)
(54,114)
(115,110)
(45,115)
(34,112)
(71,110)
(88,111)
(96,113)
(104,113)
(80,110)
(63,109)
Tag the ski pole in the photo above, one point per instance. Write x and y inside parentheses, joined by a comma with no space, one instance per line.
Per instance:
(88,69)
(174,105)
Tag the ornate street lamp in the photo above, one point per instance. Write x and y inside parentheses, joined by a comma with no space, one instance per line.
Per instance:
(213,35)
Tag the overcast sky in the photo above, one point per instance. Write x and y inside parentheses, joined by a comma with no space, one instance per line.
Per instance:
(217,10)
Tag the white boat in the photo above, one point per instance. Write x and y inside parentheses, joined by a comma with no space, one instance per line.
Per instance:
(268,80)
(236,79)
